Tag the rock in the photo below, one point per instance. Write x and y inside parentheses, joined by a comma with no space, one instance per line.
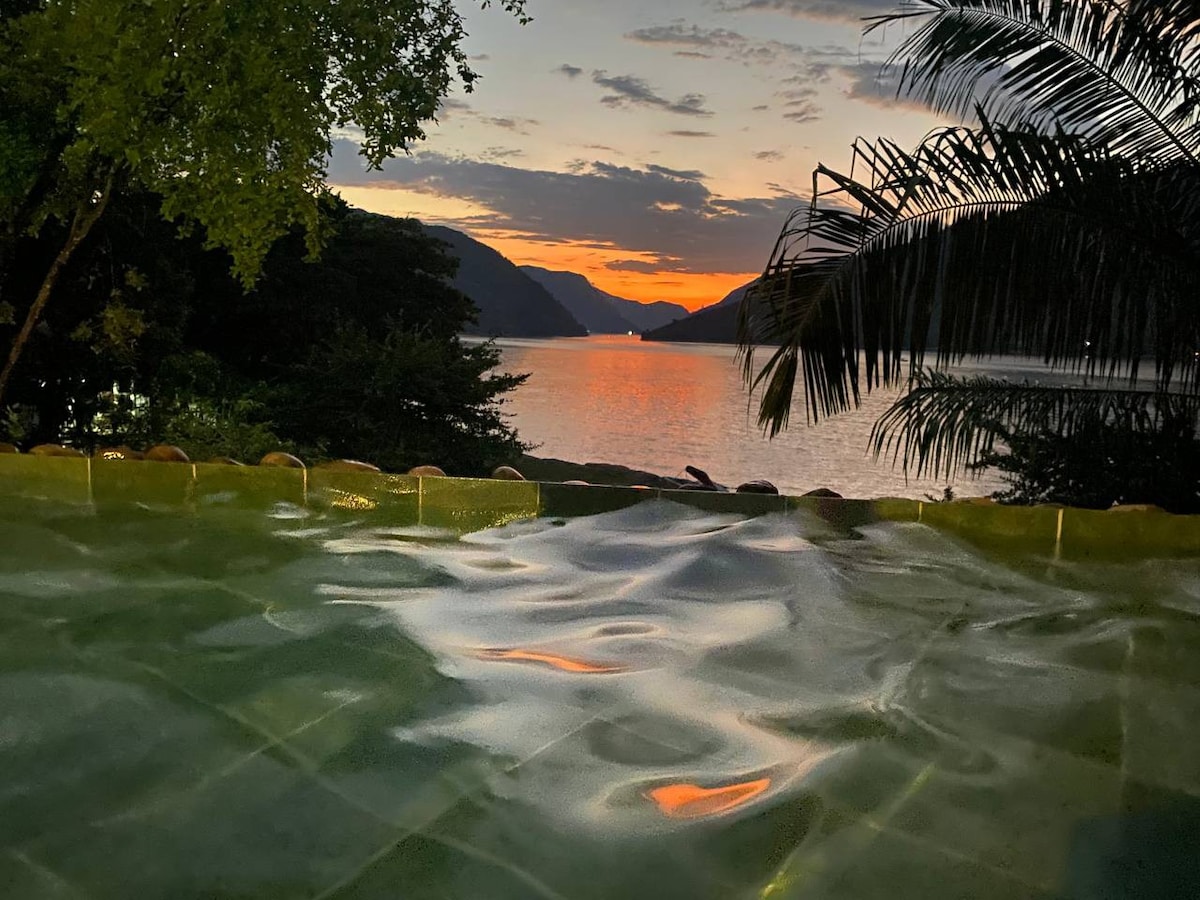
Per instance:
(507,473)
(55,450)
(122,452)
(8,448)
(701,476)
(224,461)
(757,486)
(701,483)
(346,465)
(427,472)
(281,460)
(823,492)
(539,469)
(166,453)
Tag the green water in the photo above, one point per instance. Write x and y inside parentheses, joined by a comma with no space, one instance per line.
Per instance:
(653,703)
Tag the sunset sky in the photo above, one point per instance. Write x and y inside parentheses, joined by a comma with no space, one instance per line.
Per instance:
(654,147)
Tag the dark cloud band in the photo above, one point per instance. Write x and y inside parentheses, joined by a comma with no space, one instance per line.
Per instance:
(668,214)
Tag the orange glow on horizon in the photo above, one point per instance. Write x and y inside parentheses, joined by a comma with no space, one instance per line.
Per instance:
(690,801)
(690,290)
(564,663)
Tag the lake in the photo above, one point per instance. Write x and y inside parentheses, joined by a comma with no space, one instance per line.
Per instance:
(662,406)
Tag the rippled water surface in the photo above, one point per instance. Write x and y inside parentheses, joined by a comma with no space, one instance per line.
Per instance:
(655,703)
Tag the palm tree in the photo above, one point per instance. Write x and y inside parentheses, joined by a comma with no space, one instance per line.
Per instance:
(1064,223)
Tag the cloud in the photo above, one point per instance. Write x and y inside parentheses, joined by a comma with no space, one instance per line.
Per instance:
(678,33)
(683,133)
(639,265)
(768,155)
(732,45)
(800,66)
(652,211)
(876,85)
(494,154)
(629,90)
(834,10)
(449,108)
(681,174)
(801,116)
(798,104)
(510,123)
(569,70)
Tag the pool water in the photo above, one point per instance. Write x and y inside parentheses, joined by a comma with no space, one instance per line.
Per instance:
(658,702)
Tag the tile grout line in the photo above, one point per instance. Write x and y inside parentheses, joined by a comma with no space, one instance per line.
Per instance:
(943,850)
(306,766)
(1125,691)
(223,772)
(419,830)
(483,856)
(46,872)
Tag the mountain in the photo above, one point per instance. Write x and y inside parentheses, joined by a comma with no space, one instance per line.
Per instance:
(714,324)
(601,312)
(582,299)
(649,315)
(735,296)
(510,303)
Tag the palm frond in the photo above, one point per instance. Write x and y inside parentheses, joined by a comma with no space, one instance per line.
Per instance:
(981,241)
(945,424)
(1122,72)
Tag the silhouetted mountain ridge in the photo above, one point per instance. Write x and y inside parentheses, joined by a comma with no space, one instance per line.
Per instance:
(599,311)
(510,303)
(713,324)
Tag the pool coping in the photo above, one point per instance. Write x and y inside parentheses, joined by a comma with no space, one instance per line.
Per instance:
(471,504)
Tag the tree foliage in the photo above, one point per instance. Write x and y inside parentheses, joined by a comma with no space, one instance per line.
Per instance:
(352,355)
(1064,223)
(222,109)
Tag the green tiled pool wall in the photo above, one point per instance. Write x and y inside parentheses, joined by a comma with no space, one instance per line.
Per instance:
(470,504)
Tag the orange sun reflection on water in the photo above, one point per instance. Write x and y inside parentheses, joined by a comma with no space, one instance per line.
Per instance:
(690,801)
(563,663)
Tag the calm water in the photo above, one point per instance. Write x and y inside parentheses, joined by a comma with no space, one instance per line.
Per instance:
(660,407)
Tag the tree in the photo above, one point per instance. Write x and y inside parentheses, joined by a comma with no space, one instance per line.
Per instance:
(1064,223)
(355,354)
(222,108)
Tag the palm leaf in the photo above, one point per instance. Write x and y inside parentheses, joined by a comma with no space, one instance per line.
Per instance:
(1122,73)
(981,241)
(945,424)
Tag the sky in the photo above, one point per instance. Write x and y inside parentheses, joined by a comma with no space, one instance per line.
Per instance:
(654,146)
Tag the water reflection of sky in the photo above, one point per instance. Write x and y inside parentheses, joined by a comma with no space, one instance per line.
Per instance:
(660,407)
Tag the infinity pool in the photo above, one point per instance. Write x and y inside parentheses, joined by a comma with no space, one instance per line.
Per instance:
(659,702)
